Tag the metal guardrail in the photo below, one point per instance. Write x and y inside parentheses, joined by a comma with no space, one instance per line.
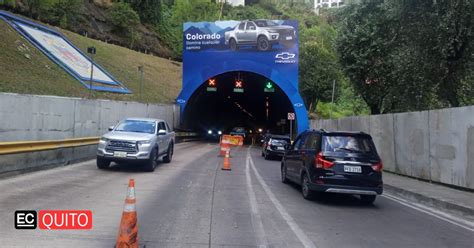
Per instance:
(33,146)
(186,134)
(12,147)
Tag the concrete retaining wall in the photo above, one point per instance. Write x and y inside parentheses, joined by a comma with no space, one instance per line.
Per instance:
(32,117)
(435,145)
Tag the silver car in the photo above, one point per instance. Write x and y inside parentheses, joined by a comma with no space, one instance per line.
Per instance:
(136,140)
(260,33)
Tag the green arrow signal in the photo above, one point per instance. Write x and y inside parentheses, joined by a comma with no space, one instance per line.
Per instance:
(269,85)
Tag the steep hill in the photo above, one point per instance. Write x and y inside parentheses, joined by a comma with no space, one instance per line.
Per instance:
(24,69)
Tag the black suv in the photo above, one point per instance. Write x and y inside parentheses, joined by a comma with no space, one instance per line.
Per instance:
(274,145)
(334,162)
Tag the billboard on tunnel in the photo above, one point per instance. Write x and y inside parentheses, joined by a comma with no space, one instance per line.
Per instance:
(265,47)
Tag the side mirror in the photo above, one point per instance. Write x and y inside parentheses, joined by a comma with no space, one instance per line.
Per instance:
(161,132)
(111,128)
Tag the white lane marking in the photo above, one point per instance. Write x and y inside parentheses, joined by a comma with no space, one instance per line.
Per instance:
(468,225)
(286,216)
(255,217)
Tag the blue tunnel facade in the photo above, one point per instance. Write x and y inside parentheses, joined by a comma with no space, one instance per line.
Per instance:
(203,62)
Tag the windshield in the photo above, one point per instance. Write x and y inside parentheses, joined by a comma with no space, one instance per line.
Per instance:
(266,23)
(348,144)
(279,142)
(136,126)
(238,130)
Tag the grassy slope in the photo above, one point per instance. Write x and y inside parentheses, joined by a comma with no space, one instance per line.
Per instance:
(39,75)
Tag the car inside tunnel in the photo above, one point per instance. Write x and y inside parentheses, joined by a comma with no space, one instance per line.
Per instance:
(238,99)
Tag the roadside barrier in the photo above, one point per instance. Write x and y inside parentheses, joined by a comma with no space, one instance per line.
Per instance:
(33,146)
(226,165)
(227,141)
(128,230)
(12,147)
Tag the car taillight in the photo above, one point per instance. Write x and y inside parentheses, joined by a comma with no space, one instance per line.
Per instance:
(322,163)
(377,166)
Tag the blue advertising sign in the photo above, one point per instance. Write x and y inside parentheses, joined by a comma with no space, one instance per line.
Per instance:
(265,47)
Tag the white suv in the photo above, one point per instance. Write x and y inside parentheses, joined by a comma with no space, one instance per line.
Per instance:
(136,140)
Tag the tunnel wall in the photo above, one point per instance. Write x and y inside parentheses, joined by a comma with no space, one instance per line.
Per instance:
(203,60)
(32,117)
(435,145)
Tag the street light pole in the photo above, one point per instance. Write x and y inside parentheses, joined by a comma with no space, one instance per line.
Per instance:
(332,98)
(91,51)
(140,69)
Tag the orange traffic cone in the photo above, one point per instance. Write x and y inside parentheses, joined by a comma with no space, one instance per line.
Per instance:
(224,147)
(226,161)
(128,231)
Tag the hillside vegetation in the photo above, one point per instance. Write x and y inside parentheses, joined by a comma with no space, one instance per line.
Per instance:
(384,56)
(27,70)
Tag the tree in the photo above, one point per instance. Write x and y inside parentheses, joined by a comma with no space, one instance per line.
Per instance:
(65,12)
(366,39)
(452,54)
(409,55)
(318,70)
(123,17)
(150,11)
(183,11)
(36,8)
(318,65)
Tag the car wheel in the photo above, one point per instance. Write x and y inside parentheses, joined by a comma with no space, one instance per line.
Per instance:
(284,179)
(103,163)
(263,154)
(308,194)
(151,162)
(266,156)
(367,199)
(263,44)
(233,45)
(169,154)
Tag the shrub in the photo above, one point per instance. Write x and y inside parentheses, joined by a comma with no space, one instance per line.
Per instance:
(123,17)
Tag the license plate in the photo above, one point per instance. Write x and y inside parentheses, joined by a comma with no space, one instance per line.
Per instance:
(120,154)
(289,38)
(352,169)
(280,148)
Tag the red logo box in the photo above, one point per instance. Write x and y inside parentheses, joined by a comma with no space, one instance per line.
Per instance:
(65,219)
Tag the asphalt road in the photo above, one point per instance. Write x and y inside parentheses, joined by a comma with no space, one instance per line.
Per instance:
(191,202)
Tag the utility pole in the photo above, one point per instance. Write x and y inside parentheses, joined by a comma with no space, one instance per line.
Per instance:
(91,51)
(140,69)
(332,98)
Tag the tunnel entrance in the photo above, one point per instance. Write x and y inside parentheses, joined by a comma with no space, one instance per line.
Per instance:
(238,99)
(207,55)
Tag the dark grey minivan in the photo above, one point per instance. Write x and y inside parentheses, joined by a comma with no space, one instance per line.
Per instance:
(334,162)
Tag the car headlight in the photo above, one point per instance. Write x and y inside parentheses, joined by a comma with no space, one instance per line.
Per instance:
(220,132)
(102,139)
(209,132)
(144,142)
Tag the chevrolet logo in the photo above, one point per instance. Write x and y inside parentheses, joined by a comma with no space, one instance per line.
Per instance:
(285,55)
